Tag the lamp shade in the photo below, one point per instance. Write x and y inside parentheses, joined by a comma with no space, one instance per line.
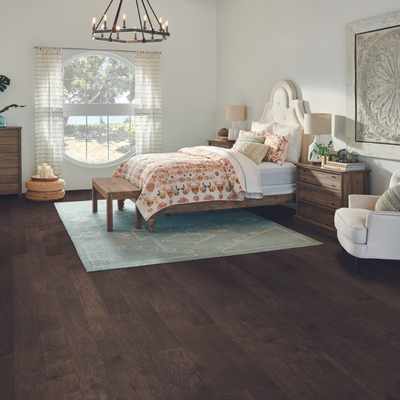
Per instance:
(235,113)
(318,124)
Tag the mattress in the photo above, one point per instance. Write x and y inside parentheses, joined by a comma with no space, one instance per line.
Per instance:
(275,179)
(274,174)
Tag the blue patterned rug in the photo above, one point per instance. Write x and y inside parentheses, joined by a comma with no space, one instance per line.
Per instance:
(177,238)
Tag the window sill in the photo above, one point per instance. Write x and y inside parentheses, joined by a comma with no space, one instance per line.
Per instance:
(105,165)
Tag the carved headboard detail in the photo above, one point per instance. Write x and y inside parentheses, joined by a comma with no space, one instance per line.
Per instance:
(286,107)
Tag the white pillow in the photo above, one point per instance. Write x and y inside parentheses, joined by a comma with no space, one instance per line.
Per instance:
(251,137)
(293,133)
(261,127)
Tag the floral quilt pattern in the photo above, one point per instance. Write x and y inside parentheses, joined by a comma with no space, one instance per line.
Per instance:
(191,175)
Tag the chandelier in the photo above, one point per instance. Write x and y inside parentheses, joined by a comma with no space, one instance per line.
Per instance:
(149,27)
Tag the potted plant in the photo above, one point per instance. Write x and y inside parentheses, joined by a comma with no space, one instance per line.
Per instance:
(323,151)
(4,83)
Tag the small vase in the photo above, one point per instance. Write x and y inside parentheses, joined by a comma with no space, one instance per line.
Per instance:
(3,122)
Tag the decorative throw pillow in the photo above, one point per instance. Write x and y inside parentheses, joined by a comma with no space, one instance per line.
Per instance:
(278,147)
(390,200)
(255,151)
(250,137)
(294,136)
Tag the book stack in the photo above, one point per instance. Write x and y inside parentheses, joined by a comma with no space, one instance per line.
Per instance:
(344,167)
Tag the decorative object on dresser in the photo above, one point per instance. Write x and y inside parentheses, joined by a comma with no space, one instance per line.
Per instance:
(227,144)
(320,192)
(223,134)
(10,160)
(235,115)
(317,125)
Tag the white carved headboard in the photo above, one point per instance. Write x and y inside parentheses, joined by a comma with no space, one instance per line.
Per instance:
(286,107)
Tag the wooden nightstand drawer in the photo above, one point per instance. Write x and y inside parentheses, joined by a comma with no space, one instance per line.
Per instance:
(8,179)
(9,139)
(9,148)
(9,188)
(325,179)
(9,160)
(317,215)
(318,195)
(321,192)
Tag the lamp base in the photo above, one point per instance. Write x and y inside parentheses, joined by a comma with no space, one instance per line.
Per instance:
(313,153)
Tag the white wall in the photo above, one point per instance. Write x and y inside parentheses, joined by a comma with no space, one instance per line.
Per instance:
(189,60)
(262,41)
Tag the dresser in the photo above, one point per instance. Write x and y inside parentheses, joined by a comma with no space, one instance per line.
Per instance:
(226,144)
(320,192)
(10,160)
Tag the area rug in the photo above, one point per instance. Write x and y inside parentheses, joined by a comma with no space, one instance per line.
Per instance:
(177,238)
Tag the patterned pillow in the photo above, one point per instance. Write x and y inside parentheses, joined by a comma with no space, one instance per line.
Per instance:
(255,151)
(250,137)
(278,148)
(390,200)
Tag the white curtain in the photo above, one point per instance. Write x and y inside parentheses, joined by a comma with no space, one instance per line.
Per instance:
(148,101)
(49,123)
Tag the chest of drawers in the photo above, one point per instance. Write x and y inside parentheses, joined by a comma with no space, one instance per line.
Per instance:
(10,160)
(320,192)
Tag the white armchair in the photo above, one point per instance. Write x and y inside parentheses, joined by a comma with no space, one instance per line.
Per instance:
(365,233)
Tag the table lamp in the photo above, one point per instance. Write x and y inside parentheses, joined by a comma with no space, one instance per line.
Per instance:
(316,125)
(235,115)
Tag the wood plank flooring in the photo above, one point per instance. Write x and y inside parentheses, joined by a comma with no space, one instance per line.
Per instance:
(295,324)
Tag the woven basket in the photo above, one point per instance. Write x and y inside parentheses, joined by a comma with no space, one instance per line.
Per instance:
(38,186)
(45,196)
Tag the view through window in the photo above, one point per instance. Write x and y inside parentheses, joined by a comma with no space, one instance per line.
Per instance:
(98,108)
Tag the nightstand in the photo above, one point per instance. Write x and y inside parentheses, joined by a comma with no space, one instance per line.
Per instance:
(227,144)
(320,192)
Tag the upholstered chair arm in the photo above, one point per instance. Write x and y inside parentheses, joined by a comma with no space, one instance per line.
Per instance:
(366,202)
(383,234)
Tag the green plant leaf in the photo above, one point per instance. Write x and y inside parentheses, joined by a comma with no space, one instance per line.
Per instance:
(4,83)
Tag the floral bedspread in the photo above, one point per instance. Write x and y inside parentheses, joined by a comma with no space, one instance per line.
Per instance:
(191,175)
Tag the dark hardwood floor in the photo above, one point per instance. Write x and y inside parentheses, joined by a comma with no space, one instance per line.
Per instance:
(295,324)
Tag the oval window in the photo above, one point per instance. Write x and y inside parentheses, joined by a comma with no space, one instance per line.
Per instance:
(99,92)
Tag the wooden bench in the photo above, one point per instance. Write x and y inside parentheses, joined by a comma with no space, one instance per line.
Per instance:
(115,189)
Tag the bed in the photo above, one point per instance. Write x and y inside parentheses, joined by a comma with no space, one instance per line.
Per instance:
(211,178)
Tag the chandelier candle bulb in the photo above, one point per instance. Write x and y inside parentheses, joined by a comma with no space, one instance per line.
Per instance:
(124,21)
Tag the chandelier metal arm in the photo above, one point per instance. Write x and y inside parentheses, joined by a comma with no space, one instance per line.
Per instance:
(148,16)
(140,20)
(114,28)
(155,15)
(104,14)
